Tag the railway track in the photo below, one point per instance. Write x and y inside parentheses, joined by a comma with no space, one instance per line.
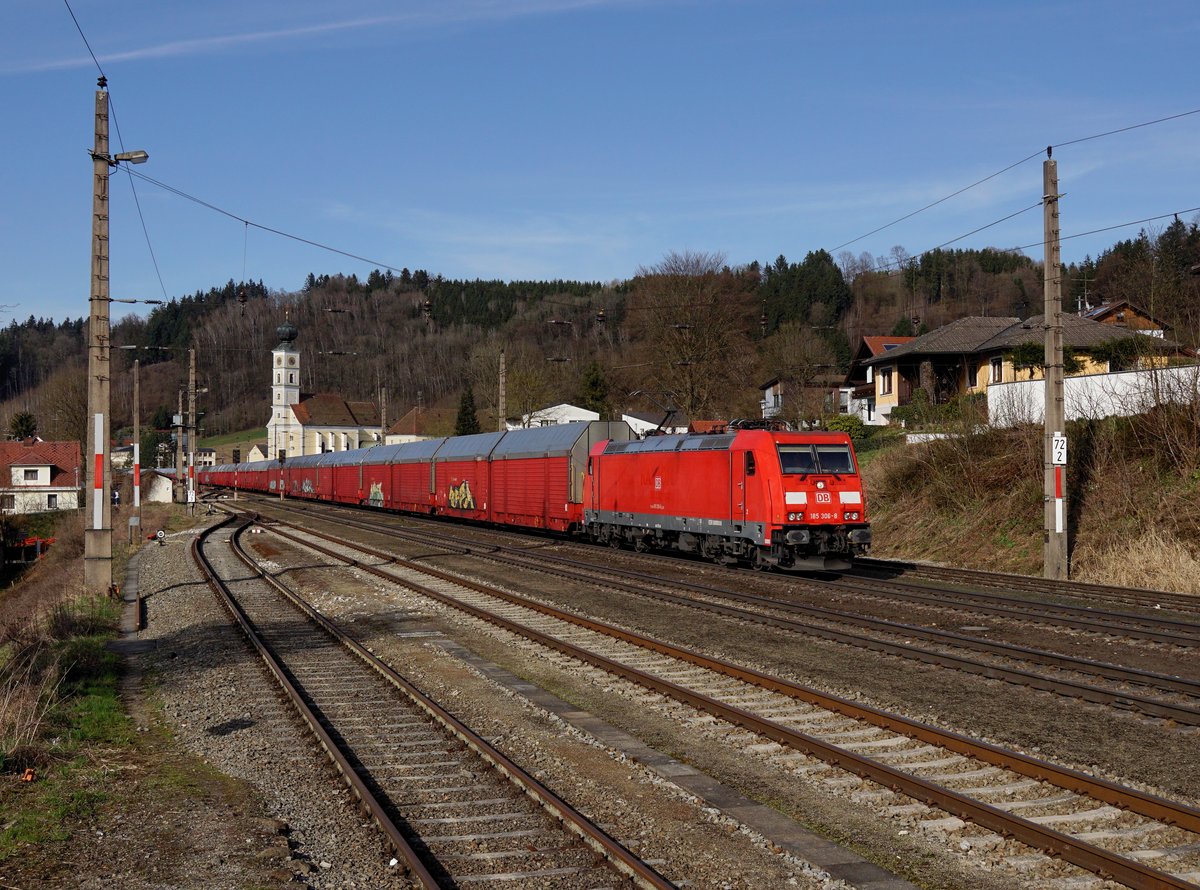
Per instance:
(1112,830)
(457,810)
(1077,590)
(1163,696)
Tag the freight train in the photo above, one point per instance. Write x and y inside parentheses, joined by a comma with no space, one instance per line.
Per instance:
(767,498)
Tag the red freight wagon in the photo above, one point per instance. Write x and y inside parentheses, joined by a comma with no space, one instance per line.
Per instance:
(413,477)
(770,498)
(461,475)
(538,473)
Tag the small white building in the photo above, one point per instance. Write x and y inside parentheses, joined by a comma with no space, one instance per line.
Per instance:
(37,476)
(157,486)
(553,415)
(643,422)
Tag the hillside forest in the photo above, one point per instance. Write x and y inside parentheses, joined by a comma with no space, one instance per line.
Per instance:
(691,332)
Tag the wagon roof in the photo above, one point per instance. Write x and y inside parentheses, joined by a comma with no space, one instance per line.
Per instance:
(405,452)
(541,441)
(467,447)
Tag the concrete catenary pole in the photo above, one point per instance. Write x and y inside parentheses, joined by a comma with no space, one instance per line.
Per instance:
(191,435)
(501,405)
(1054,435)
(135,538)
(97,539)
(178,424)
(382,414)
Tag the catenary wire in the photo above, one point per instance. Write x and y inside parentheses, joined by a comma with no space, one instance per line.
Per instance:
(247,222)
(1024,160)
(112,108)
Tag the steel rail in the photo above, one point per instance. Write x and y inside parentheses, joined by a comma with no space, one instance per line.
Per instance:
(1152,707)
(1183,714)
(1080,853)
(1074,617)
(1179,633)
(369,801)
(1005,581)
(591,834)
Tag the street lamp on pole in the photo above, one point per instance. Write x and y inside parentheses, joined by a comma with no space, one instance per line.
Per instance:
(97,543)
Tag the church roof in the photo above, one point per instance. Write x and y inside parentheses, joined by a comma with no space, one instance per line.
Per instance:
(327,409)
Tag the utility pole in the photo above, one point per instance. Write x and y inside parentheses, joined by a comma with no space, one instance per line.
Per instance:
(1054,446)
(501,406)
(191,460)
(179,495)
(136,519)
(382,414)
(97,539)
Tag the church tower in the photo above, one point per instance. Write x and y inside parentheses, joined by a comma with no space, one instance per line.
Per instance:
(283,429)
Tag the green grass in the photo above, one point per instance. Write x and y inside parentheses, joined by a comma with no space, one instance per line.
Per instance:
(72,781)
(248,438)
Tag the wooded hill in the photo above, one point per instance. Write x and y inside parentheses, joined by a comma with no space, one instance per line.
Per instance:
(691,331)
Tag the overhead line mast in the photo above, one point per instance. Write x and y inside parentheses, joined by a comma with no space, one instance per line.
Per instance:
(1054,445)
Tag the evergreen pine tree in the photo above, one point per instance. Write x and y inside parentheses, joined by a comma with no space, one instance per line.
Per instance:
(466,423)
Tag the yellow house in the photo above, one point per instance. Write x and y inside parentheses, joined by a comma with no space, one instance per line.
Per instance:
(968,355)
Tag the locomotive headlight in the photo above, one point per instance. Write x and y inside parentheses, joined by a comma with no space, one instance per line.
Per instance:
(791,517)
(821,483)
(852,515)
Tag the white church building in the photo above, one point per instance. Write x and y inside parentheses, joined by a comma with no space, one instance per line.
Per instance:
(304,423)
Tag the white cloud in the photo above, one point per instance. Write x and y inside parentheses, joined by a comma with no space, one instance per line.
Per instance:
(448,13)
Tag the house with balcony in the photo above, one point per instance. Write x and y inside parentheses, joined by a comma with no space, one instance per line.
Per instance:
(856,394)
(970,354)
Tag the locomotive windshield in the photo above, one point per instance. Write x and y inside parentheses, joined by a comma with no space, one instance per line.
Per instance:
(815,459)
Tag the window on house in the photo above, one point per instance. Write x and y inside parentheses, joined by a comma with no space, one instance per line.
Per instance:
(997,370)
(291,377)
(885,381)
(8,502)
(31,475)
(51,502)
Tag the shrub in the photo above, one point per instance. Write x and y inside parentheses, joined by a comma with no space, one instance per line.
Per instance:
(851,424)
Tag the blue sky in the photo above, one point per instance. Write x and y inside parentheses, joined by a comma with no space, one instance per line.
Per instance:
(573,138)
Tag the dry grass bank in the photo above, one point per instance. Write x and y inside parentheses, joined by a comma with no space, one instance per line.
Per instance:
(976,501)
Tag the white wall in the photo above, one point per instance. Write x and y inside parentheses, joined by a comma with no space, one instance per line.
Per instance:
(1093,396)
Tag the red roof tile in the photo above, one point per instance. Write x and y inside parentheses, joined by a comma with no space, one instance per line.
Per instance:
(62,457)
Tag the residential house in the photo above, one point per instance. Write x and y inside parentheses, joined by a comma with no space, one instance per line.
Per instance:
(1122,313)
(968,355)
(856,395)
(421,423)
(37,476)
(801,405)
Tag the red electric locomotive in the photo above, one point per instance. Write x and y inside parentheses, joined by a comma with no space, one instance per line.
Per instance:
(769,498)
(765,497)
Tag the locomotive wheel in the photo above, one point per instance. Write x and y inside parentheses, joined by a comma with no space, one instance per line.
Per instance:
(758,563)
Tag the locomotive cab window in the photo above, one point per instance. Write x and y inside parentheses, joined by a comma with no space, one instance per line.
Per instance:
(750,467)
(797,459)
(835,459)
(800,459)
